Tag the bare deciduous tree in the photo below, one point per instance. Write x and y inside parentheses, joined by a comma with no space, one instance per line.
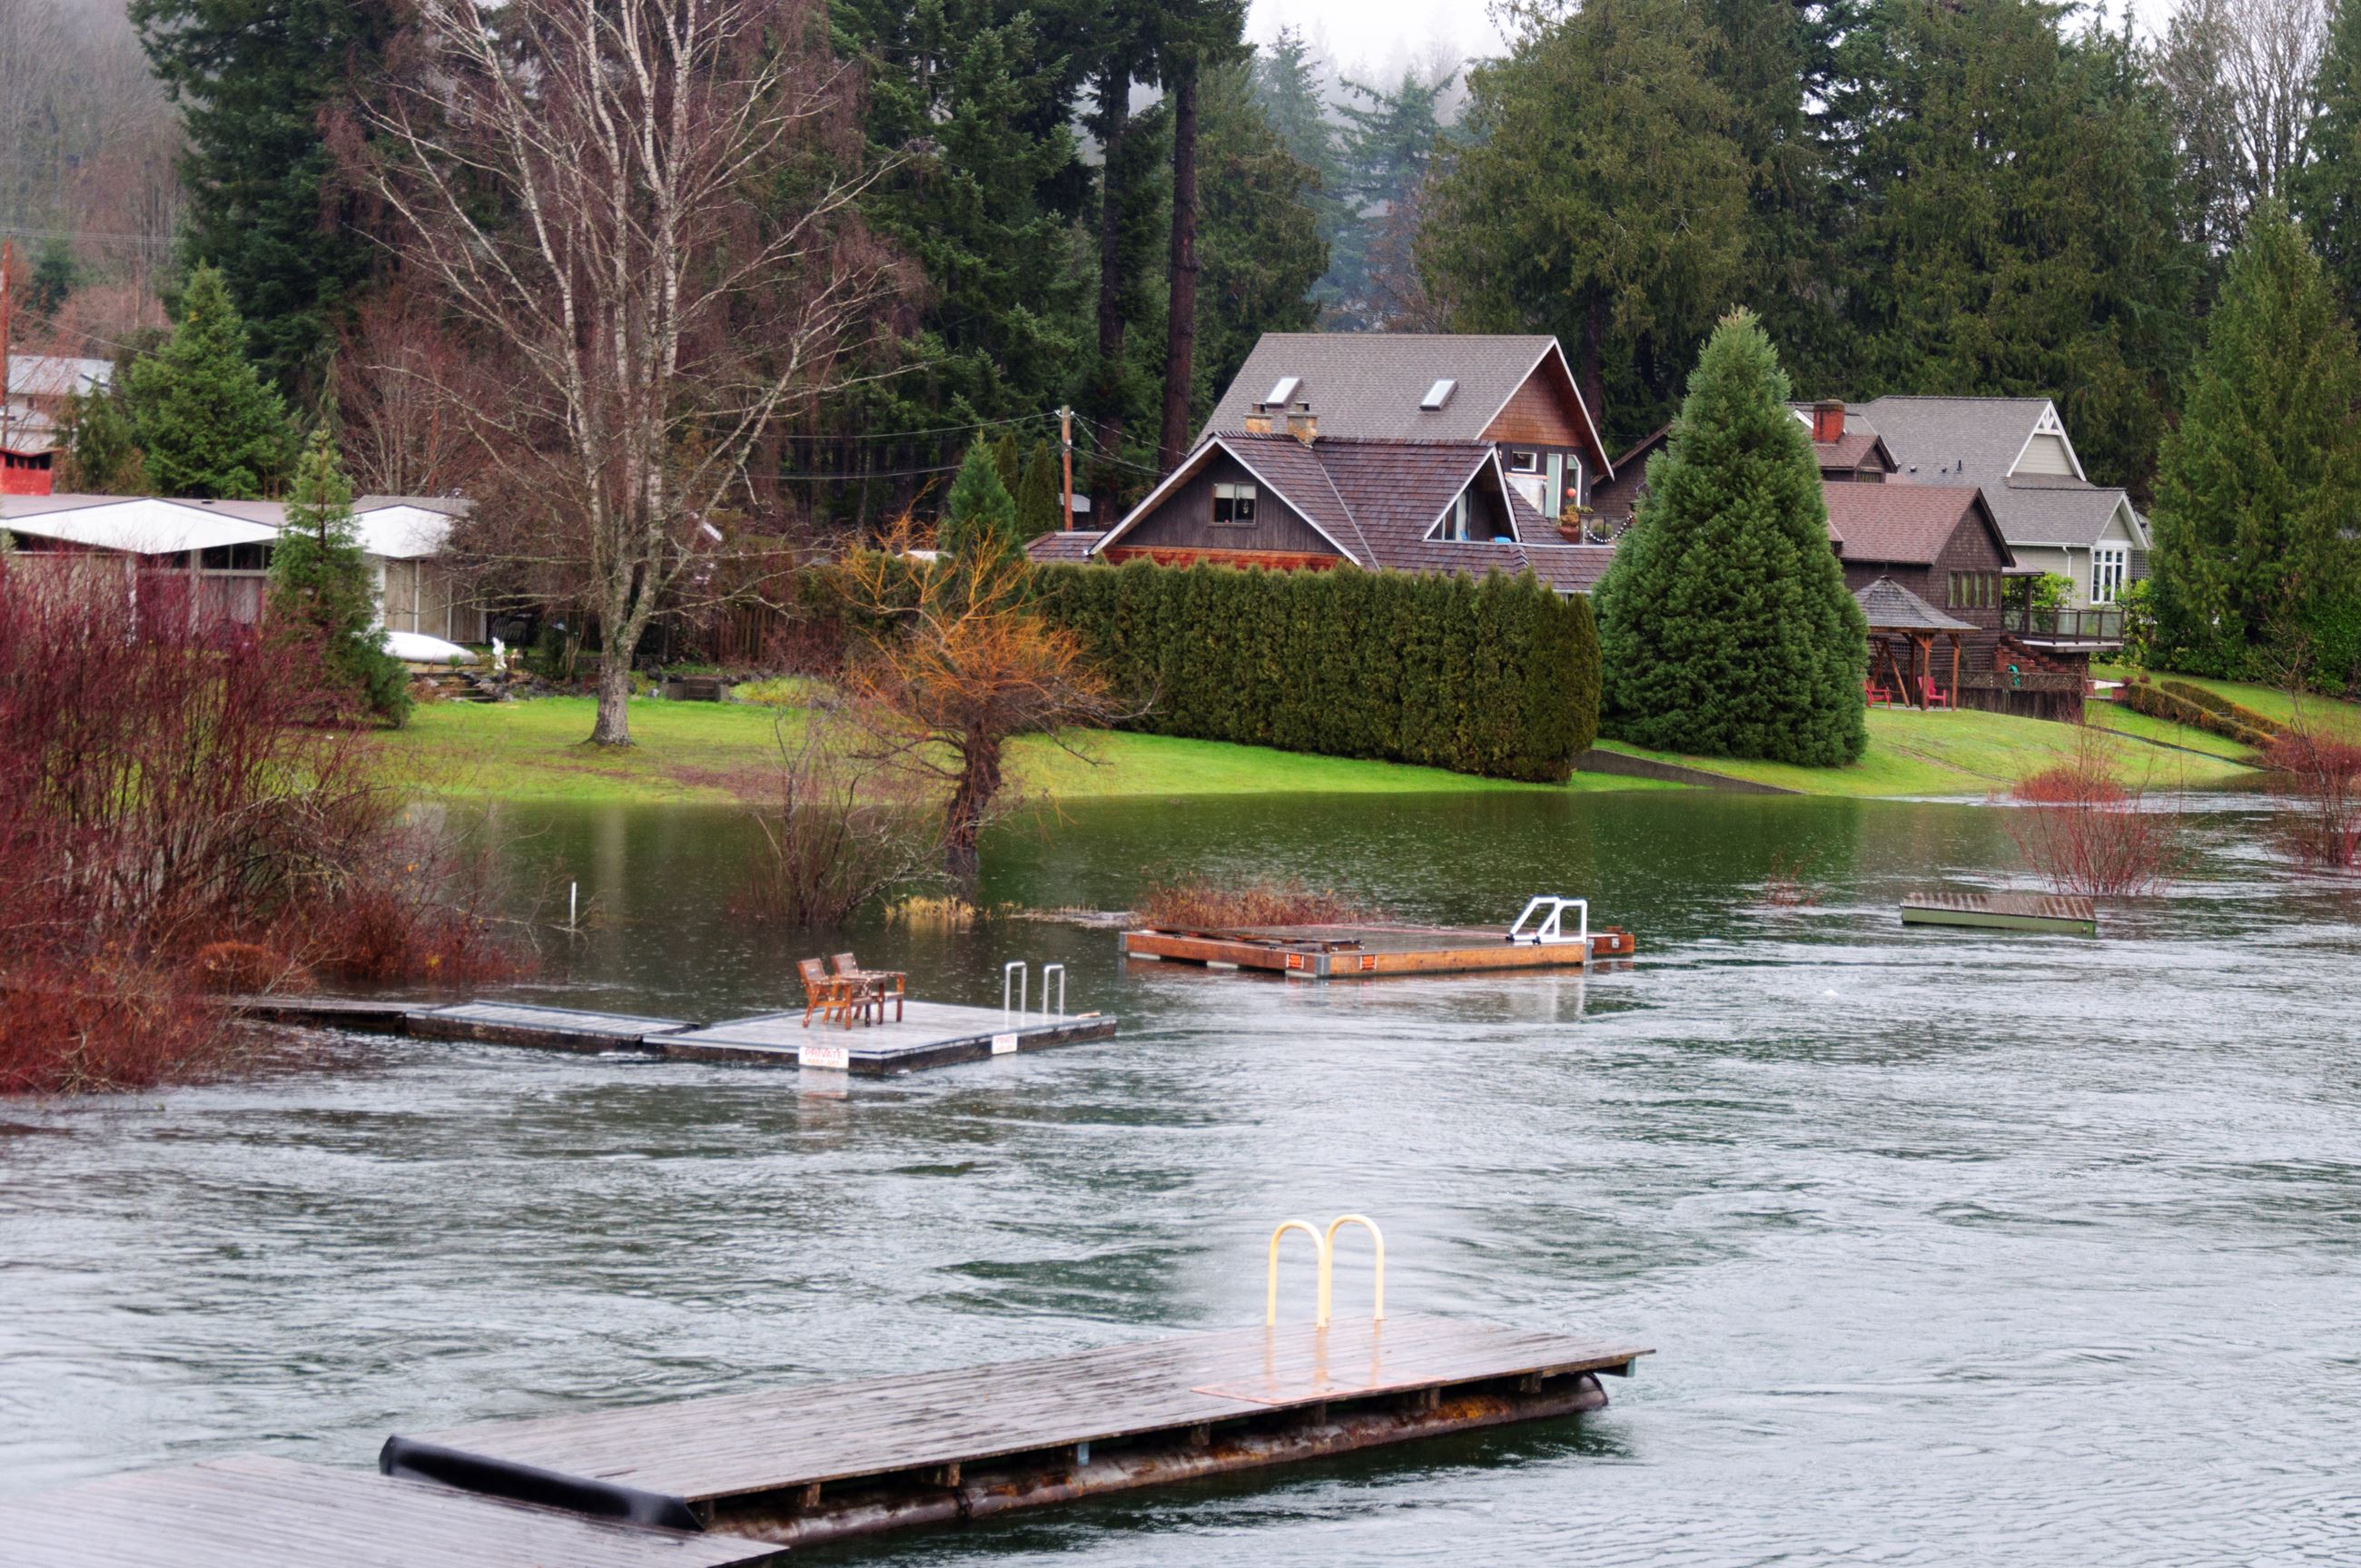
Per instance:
(402,433)
(637,212)
(2240,76)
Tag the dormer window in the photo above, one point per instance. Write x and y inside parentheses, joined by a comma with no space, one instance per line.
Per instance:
(1234,505)
(1438,394)
(1282,391)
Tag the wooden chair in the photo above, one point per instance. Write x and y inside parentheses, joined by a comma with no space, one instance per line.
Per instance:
(1874,695)
(824,994)
(873,989)
(1935,696)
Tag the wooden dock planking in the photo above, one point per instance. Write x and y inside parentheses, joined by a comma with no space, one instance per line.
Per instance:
(2064,912)
(707,1450)
(255,1512)
(928,1033)
(1337,952)
(550,1028)
(389,1015)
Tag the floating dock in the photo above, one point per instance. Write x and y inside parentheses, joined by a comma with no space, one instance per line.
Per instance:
(1340,952)
(2061,912)
(813,1464)
(250,1512)
(928,1034)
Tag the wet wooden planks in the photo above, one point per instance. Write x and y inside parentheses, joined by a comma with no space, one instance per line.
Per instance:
(734,1445)
(2004,911)
(1325,953)
(928,1033)
(254,1512)
(555,1028)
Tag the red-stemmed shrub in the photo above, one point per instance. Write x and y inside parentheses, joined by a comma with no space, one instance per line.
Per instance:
(2320,776)
(2087,832)
(169,825)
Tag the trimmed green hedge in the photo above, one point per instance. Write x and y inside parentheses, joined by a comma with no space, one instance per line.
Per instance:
(2157,703)
(2215,702)
(1499,677)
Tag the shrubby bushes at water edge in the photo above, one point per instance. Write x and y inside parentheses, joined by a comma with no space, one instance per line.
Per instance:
(167,824)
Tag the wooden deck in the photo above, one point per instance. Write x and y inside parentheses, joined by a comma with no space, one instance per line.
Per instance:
(816,1463)
(252,1512)
(2061,912)
(1339,953)
(928,1033)
(552,1028)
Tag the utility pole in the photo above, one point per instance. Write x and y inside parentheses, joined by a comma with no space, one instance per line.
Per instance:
(1065,440)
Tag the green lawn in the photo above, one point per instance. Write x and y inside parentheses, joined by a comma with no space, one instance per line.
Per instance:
(1966,752)
(2268,701)
(2126,722)
(719,751)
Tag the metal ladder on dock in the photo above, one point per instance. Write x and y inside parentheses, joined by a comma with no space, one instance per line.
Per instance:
(1325,1252)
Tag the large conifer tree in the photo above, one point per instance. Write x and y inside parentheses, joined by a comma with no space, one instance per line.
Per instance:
(2258,560)
(2326,191)
(207,425)
(1724,621)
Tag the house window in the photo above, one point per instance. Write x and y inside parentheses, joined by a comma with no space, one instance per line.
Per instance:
(1233,504)
(2109,563)
(1524,462)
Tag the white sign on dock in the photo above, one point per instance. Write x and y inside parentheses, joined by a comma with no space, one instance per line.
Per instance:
(836,1057)
(1003,1044)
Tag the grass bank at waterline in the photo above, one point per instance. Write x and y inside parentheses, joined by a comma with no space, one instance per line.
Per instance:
(719,751)
(1965,752)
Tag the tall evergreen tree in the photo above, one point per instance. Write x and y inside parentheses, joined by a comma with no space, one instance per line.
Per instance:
(1286,81)
(1601,197)
(2019,231)
(1041,498)
(259,83)
(1724,621)
(1263,251)
(1387,145)
(2257,516)
(207,424)
(99,448)
(2326,191)
(1192,36)
(1129,196)
(322,592)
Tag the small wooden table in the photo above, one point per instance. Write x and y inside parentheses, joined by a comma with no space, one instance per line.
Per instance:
(872,986)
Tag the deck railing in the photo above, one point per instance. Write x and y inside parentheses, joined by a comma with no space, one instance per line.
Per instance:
(2024,680)
(2101,623)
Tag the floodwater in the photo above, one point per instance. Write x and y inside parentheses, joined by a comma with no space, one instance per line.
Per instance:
(1954,1246)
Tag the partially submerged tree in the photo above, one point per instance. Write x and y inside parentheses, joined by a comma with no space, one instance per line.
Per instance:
(958,664)
(323,597)
(621,205)
(1724,619)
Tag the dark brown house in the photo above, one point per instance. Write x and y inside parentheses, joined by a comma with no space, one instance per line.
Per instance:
(1846,449)
(1309,501)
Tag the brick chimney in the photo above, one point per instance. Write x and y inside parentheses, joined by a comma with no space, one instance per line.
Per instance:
(1827,421)
(1259,420)
(1302,424)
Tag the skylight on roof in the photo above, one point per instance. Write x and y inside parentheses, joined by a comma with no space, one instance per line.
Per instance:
(1438,394)
(1282,391)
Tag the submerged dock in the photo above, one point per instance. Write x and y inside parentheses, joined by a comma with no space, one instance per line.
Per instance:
(927,1035)
(1341,952)
(2061,912)
(812,1463)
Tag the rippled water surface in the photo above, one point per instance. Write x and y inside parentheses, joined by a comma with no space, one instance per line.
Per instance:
(1954,1246)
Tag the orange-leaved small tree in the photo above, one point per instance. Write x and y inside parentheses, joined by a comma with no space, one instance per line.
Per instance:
(955,663)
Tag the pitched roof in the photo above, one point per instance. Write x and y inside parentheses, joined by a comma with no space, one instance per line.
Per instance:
(1074,546)
(1370,384)
(1905,524)
(55,375)
(1889,607)
(1975,441)
(391,527)
(1376,501)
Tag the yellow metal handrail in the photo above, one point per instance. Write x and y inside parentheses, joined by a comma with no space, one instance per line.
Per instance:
(1270,1293)
(1378,1263)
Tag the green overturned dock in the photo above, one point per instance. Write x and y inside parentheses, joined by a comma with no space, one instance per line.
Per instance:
(798,1466)
(2061,912)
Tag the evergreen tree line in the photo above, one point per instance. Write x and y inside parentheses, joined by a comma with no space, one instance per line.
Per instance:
(1497,677)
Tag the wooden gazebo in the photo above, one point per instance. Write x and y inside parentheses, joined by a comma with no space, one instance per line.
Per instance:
(1898,617)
